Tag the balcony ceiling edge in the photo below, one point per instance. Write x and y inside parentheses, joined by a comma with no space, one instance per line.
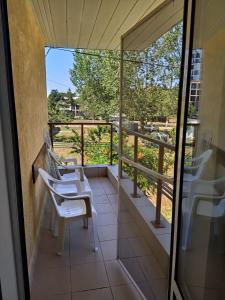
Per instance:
(92,24)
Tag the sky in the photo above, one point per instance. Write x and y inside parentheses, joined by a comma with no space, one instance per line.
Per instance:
(58,63)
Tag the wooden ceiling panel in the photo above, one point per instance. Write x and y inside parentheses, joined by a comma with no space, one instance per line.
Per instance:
(137,12)
(105,14)
(96,24)
(58,11)
(140,37)
(119,16)
(90,15)
(74,19)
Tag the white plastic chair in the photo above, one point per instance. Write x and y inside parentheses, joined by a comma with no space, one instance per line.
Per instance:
(198,166)
(72,171)
(70,200)
(207,199)
(48,144)
(195,171)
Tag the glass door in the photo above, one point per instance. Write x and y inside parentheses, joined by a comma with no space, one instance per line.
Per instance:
(198,268)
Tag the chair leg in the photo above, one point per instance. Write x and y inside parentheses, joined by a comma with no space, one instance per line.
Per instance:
(56,226)
(61,236)
(95,233)
(85,222)
(52,219)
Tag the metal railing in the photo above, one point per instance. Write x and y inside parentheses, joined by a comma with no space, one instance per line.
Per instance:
(162,182)
(82,142)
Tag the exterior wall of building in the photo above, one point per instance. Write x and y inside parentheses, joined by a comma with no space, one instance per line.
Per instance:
(28,63)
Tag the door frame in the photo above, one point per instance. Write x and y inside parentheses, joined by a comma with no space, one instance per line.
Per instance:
(188,27)
(14,272)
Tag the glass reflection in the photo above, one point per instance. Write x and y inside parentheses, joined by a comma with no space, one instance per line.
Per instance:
(201,255)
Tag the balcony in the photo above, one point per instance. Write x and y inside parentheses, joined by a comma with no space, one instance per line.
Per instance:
(133,256)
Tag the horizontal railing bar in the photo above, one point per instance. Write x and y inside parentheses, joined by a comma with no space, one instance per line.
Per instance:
(80,123)
(165,192)
(147,138)
(135,133)
(147,171)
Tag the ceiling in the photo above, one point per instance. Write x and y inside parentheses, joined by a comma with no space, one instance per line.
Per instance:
(93,24)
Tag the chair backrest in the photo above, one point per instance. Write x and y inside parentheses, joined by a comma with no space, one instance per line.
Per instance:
(47,139)
(49,181)
(55,158)
(203,161)
(53,169)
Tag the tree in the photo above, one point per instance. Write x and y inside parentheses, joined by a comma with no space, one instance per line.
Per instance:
(95,75)
(56,102)
(150,80)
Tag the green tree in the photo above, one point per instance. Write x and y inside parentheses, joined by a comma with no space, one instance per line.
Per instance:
(56,102)
(95,75)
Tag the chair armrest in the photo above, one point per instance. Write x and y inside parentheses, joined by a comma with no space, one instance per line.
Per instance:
(70,167)
(69,181)
(68,160)
(190,168)
(75,197)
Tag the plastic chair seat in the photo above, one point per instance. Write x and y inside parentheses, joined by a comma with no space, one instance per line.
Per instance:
(65,189)
(71,208)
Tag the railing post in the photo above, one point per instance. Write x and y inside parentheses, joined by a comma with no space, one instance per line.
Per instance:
(135,194)
(157,223)
(51,134)
(82,144)
(111,145)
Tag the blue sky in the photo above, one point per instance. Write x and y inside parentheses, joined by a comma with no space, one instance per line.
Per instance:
(58,63)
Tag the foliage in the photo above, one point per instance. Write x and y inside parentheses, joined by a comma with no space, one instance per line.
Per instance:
(151,78)
(96,134)
(56,102)
(95,75)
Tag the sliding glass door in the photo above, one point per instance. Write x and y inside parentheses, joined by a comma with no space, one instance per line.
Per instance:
(199,239)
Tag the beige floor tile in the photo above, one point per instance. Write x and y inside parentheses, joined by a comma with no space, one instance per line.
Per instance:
(129,230)
(55,297)
(125,217)
(160,288)
(147,290)
(113,198)
(110,190)
(49,282)
(133,267)
(102,199)
(85,254)
(116,274)
(125,292)
(109,249)
(107,219)
(98,191)
(107,233)
(50,259)
(88,276)
(139,246)
(99,294)
(151,268)
(125,250)
(48,242)
(103,208)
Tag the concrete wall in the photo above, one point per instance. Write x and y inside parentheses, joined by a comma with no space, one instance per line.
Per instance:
(28,62)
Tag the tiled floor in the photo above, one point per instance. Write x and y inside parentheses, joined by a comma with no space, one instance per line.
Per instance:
(82,274)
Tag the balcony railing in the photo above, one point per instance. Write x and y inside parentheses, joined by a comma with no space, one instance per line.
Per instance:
(82,126)
(162,182)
